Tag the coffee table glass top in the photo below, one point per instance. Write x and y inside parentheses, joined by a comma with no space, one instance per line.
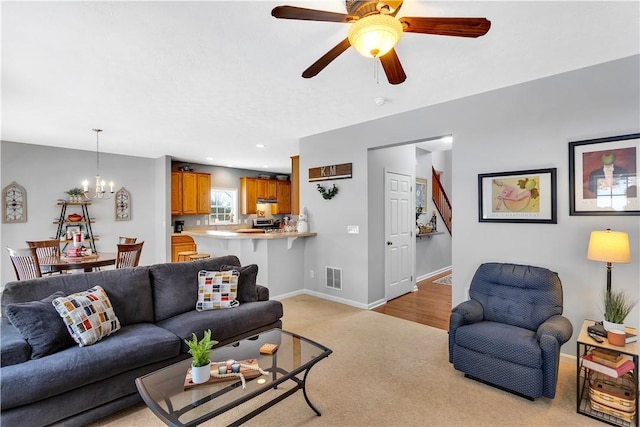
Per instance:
(164,393)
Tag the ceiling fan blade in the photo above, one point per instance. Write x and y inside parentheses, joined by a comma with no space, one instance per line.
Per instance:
(392,67)
(326,59)
(292,12)
(458,27)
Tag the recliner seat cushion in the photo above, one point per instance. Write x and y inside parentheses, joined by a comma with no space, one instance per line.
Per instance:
(501,341)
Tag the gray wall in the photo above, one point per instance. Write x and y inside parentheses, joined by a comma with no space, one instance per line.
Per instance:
(526,126)
(46,173)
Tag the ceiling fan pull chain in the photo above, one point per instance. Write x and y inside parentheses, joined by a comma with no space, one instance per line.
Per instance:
(376,70)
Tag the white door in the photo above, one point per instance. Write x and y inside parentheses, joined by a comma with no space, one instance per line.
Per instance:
(399,234)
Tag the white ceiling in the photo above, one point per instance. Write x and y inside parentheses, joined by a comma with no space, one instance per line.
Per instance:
(212,79)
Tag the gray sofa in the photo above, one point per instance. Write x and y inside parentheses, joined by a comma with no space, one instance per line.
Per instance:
(156,308)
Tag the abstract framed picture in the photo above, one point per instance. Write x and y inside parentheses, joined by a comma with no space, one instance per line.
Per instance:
(603,176)
(527,196)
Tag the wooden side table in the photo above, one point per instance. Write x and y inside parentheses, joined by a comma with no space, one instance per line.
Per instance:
(584,344)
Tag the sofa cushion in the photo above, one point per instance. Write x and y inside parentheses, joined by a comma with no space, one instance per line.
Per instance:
(15,348)
(88,315)
(175,285)
(224,324)
(40,325)
(501,341)
(132,347)
(129,290)
(217,289)
(247,290)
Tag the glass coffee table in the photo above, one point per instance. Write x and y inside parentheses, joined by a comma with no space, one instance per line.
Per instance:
(165,393)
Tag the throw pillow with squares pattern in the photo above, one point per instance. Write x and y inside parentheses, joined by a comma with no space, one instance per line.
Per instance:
(88,315)
(217,289)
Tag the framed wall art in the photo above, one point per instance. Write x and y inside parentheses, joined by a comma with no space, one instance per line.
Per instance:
(421,194)
(603,176)
(14,203)
(518,196)
(123,205)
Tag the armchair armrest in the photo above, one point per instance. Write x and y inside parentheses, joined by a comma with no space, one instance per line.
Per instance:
(558,327)
(470,311)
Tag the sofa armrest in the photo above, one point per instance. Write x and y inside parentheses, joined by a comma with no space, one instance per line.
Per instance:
(263,293)
(14,348)
(558,327)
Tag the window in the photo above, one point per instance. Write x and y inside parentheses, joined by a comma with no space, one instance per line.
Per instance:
(224,206)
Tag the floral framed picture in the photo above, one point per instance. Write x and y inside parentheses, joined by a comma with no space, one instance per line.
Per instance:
(421,194)
(603,176)
(518,196)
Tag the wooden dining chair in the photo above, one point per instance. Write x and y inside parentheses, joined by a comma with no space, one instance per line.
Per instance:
(128,254)
(127,240)
(25,263)
(45,249)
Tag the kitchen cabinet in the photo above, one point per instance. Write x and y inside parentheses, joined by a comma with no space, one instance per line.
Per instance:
(253,189)
(284,198)
(181,244)
(190,193)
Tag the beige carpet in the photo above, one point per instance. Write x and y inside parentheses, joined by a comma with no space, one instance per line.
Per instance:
(386,371)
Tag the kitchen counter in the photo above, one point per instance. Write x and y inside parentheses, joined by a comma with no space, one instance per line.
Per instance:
(279,256)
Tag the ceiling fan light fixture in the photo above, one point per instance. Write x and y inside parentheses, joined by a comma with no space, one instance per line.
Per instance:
(375,35)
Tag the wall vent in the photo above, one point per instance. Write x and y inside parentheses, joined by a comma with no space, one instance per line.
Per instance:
(334,278)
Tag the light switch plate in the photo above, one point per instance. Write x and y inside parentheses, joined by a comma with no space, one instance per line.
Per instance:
(353,229)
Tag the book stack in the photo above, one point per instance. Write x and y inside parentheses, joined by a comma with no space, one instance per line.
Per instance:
(608,362)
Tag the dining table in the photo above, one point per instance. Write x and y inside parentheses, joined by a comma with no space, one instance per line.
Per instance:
(87,263)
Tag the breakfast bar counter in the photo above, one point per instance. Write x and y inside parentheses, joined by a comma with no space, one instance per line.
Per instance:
(279,255)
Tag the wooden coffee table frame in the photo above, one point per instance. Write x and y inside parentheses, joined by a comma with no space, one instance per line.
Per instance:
(159,389)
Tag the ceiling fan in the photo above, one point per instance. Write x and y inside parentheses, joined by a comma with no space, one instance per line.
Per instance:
(375,31)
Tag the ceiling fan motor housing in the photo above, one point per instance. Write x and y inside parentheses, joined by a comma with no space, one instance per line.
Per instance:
(362,8)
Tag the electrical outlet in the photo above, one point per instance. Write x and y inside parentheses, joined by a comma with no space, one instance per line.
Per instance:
(312,274)
(206,222)
(353,229)
(197,222)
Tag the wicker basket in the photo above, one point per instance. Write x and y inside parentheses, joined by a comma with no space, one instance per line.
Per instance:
(613,396)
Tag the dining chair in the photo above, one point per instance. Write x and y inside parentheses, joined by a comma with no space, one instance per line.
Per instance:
(25,263)
(128,254)
(45,249)
(128,240)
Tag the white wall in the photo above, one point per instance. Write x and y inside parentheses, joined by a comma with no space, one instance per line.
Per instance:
(526,126)
(46,173)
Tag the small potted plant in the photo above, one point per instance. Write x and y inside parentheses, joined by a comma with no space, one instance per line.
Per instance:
(617,307)
(201,352)
(75,194)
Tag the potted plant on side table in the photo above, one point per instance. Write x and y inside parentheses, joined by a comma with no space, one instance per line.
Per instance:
(201,352)
(617,307)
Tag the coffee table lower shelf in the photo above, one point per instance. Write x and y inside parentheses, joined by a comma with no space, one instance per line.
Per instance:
(164,393)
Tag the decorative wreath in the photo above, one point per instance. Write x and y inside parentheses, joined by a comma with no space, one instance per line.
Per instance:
(327,194)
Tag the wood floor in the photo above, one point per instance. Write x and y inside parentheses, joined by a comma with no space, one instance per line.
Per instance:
(429,305)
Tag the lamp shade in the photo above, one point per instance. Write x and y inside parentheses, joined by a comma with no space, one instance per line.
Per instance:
(375,35)
(609,246)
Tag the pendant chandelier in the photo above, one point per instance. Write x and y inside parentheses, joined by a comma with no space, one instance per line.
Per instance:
(100,191)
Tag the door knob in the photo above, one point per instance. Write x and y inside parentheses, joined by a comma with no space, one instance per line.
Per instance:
(389,243)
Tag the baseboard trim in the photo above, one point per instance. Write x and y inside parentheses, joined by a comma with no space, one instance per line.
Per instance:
(433,273)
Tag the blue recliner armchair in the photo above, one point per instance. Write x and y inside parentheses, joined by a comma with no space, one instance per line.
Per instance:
(510,331)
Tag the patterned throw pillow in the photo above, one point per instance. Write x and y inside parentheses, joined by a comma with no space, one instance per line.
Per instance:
(88,315)
(217,289)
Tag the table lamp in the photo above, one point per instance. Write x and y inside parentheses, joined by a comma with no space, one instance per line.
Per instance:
(609,246)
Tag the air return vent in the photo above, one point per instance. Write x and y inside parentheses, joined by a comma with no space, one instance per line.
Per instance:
(334,278)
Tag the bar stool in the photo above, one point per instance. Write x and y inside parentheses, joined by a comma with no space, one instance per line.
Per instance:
(196,257)
(185,255)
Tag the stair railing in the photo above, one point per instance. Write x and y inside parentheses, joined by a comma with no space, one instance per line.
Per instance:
(440,199)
